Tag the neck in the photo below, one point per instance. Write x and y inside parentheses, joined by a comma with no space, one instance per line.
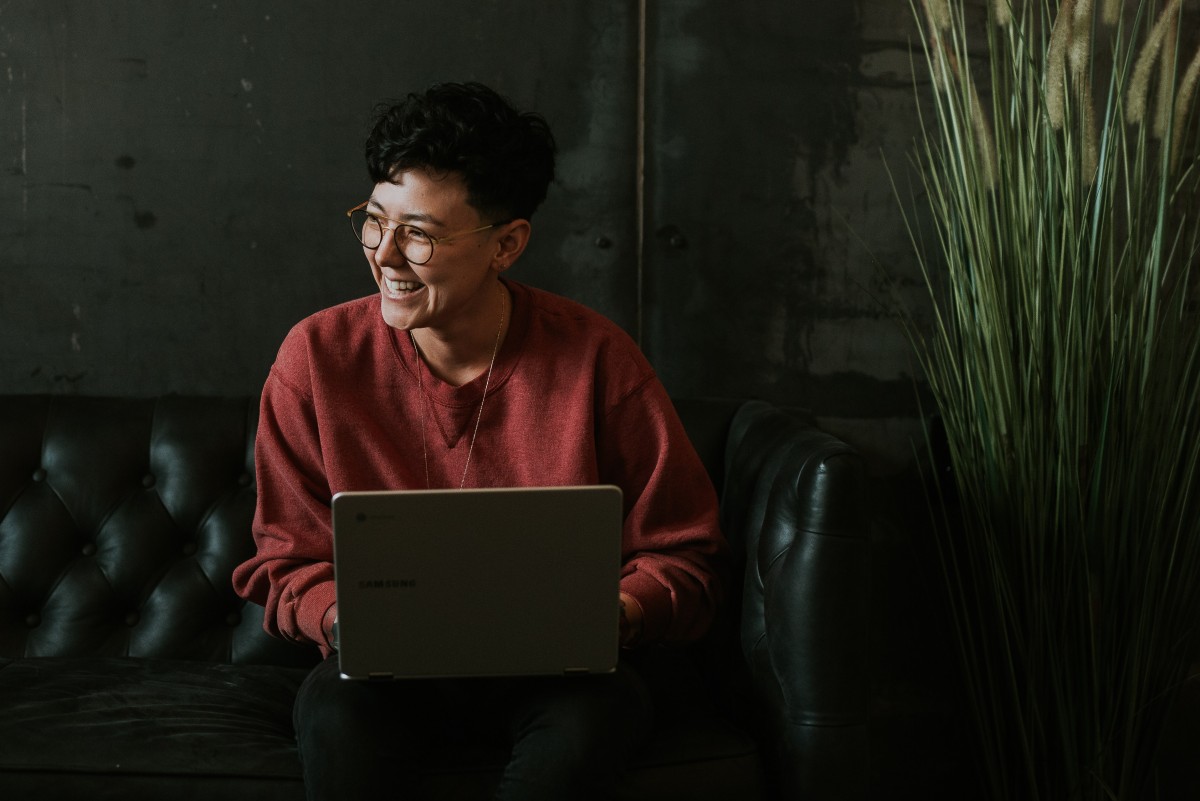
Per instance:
(460,356)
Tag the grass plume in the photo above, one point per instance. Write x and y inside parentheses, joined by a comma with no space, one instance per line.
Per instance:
(1139,86)
(1063,357)
(1183,107)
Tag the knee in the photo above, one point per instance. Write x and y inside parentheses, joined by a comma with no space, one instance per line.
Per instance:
(329,709)
(584,728)
(569,752)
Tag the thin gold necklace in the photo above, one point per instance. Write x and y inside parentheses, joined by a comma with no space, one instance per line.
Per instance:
(478,418)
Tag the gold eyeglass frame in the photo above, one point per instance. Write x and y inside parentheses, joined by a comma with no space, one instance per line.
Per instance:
(434,241)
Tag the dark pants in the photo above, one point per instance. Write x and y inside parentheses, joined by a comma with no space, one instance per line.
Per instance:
(570,737)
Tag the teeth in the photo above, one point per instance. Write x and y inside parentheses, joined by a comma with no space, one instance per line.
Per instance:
(402,286)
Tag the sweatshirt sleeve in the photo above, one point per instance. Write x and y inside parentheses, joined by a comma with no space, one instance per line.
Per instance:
(674,552)
(291,575)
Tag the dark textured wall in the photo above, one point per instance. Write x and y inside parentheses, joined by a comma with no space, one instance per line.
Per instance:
(771,217)
(175,176)
(763,141)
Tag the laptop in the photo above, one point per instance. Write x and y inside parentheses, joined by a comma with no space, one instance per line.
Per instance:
(479,582)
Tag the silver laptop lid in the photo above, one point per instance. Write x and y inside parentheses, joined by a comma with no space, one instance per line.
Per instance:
(481,582)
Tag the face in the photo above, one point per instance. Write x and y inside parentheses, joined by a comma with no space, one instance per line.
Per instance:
(456,287)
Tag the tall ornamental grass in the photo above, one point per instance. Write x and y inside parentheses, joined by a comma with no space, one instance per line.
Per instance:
(1058,152)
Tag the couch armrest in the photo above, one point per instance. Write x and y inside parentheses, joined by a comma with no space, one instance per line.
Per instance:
(793,503)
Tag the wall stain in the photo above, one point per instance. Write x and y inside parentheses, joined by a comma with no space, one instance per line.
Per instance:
(126,162)
(135,67)
(145,219)
(77,313)
(59,185)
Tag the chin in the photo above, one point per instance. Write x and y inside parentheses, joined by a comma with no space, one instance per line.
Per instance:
(393,318)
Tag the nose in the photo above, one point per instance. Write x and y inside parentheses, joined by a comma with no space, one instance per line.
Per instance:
(388,252)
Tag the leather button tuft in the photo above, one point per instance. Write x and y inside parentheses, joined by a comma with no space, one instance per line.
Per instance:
(39,474)
(89,549)
(244,480)
(233,618)
(148,481)
(33,620)
(132,618)
(189,548)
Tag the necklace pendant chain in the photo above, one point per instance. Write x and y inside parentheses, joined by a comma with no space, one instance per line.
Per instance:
(425,402)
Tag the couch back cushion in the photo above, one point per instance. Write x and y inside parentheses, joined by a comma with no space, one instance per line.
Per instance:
(121,520)
(120,523)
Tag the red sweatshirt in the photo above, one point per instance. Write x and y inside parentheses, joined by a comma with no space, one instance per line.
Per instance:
(572,400)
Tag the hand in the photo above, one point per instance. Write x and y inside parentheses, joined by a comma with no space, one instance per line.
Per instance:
(631,621)
(329,627)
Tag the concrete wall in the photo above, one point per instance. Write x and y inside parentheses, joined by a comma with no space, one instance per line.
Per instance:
(175,175)
(173,178)
(771,220)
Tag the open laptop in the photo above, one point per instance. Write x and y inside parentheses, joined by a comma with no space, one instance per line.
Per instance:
(479,582)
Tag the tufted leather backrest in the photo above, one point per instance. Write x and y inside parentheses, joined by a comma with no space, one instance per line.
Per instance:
(120,523)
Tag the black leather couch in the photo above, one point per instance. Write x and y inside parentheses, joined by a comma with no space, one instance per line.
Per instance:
(129,669)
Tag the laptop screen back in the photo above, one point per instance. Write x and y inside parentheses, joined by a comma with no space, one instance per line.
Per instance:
(483,582)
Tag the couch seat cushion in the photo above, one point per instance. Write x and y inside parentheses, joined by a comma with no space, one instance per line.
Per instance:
(124,728)
(146,723)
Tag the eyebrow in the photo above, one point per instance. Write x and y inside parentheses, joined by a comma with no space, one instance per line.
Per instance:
(412,217)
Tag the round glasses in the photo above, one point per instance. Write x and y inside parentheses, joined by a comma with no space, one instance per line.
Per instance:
(413,243)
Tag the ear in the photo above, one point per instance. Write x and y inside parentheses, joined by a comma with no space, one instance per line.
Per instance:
(510,244)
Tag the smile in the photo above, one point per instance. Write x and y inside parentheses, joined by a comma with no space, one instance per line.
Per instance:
(395,287)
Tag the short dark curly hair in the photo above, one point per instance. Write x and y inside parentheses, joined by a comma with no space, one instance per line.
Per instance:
(505,157)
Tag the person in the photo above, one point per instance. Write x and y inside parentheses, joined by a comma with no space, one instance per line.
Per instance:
(450,375)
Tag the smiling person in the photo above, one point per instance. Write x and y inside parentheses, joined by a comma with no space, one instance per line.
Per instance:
(450,375)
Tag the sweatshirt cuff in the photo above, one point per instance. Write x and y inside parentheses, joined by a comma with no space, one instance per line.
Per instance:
(655,602)
(310,614)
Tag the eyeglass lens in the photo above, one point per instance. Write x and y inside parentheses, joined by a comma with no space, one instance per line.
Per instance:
(413,243)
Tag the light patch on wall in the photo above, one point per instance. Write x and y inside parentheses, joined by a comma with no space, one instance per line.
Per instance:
(873,347)
(775,341)
(77,312)
(685,52)
(248,86)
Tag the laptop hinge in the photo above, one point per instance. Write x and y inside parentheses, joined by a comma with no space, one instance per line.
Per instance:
(575,671)
(381,676)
